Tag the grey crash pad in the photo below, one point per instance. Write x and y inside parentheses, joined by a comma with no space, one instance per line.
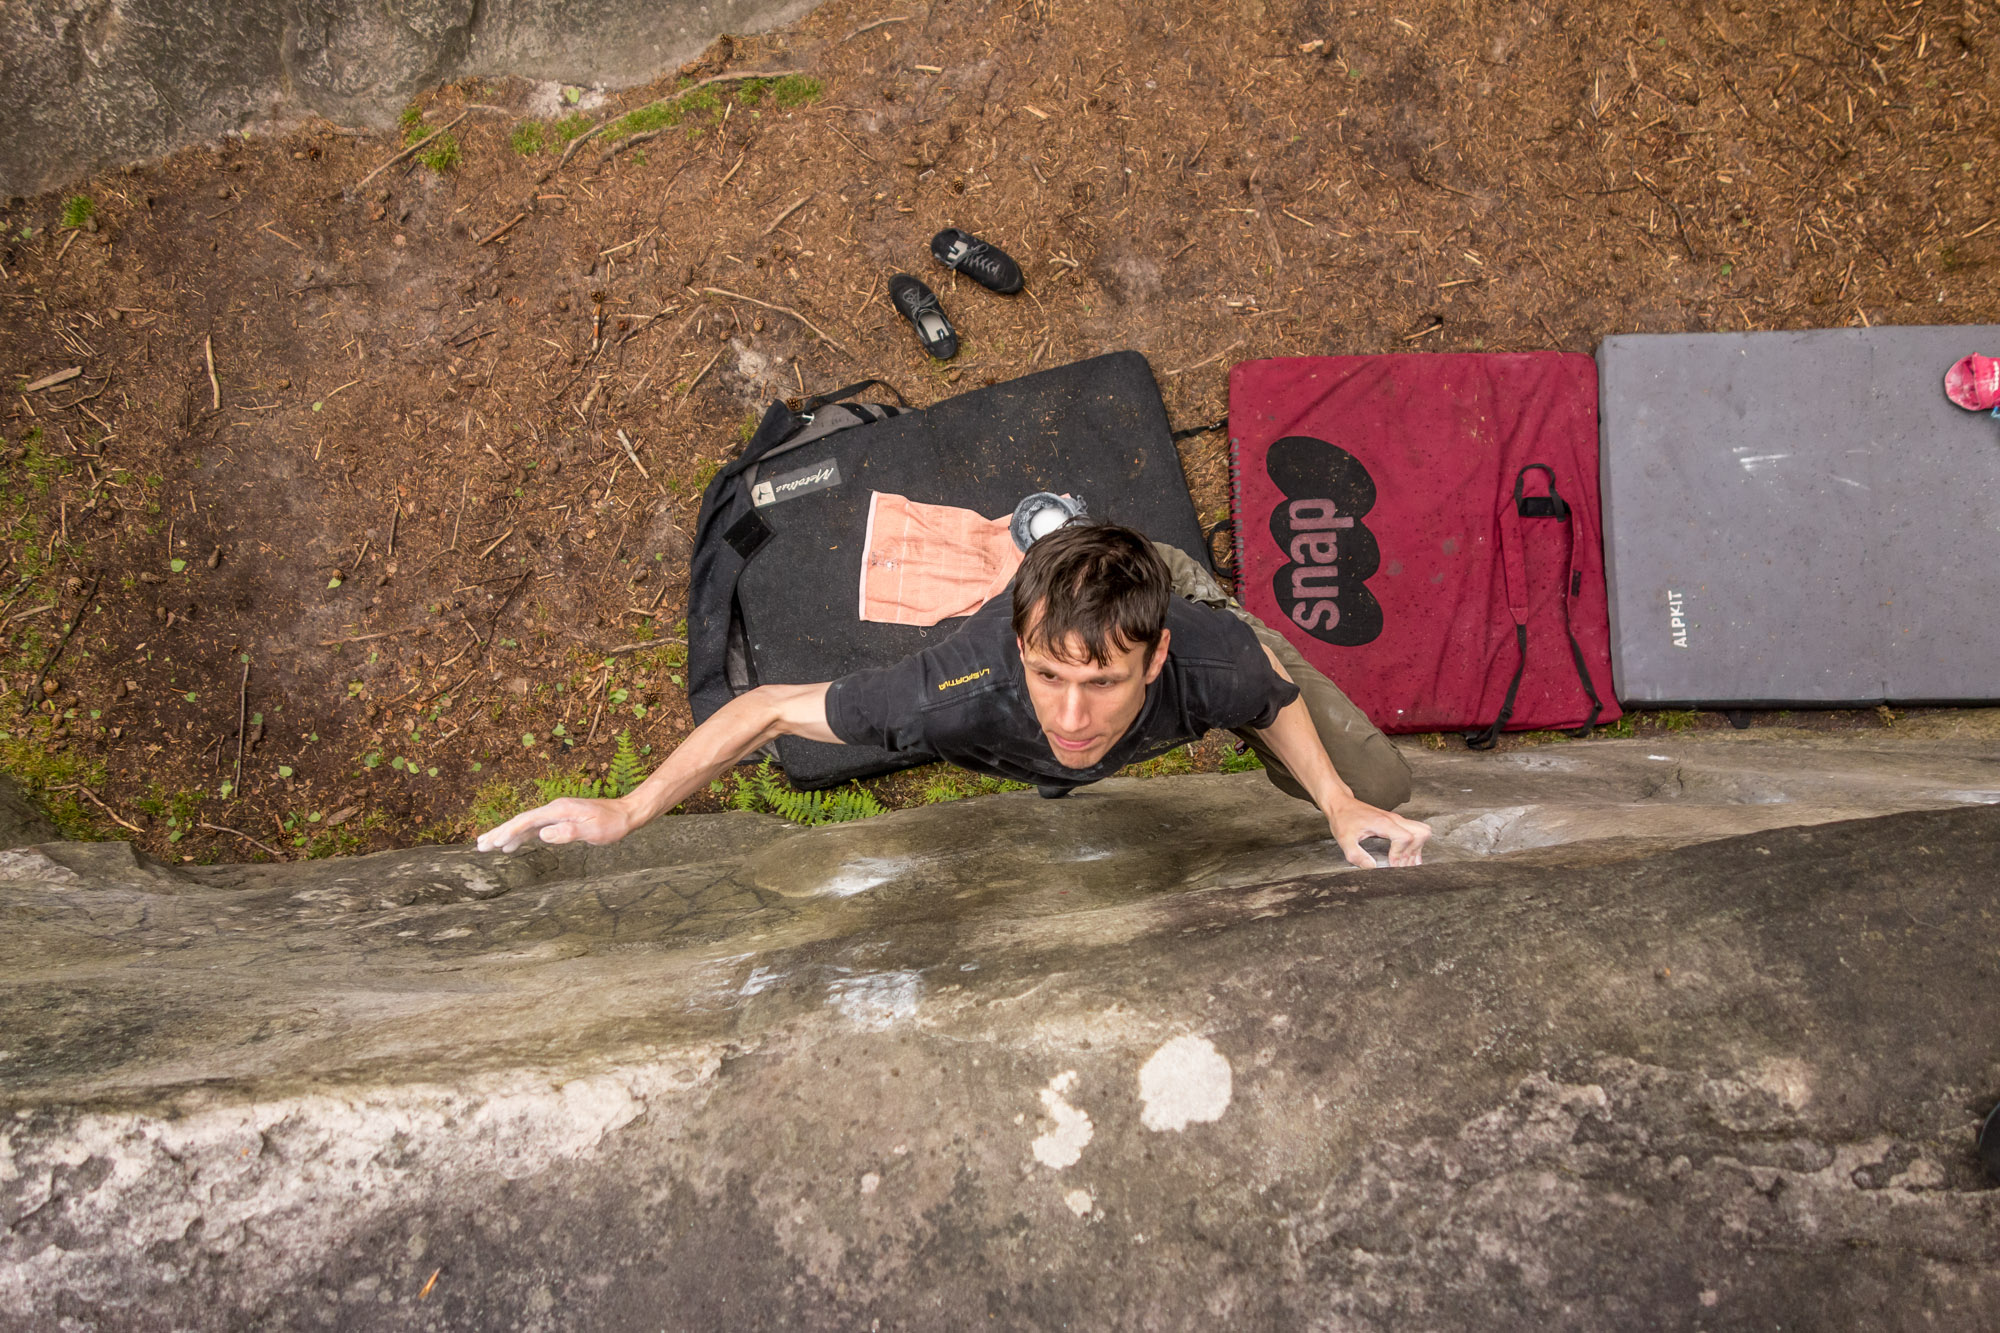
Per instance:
(1662,1036)
(1799,518)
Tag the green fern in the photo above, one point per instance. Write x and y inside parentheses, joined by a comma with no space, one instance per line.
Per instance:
(850,803)
(626,771)
(567,784)
(747,793)
(824,807)
(765,791)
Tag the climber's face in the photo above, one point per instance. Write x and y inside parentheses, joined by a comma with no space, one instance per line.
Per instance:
(1084,707)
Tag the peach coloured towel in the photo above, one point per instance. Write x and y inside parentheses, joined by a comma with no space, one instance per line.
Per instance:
(924,563)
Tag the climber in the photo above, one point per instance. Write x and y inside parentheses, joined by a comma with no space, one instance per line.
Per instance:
(1107,650)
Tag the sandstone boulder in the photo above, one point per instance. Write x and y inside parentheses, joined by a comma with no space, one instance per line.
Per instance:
(1687,1034)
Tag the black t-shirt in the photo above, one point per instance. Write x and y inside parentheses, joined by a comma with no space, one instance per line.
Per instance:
(966,700)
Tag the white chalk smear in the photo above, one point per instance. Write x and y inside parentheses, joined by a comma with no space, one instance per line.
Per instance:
(877,1000)
(1186,1082)
(760,980)
(860,875)
(1080,1202)
(1062,1145)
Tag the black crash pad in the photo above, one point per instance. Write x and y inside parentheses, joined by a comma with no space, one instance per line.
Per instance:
(1095,429)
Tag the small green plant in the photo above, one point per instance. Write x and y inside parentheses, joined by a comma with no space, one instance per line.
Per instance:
(494,804)
(626,772)
(183,812)
(1678,719)
(527,138)
(333,842)
(571,127)
(652,116)
(443,155)
(1620,730)
(1245,761)
(413,116)
(796,90)
(51,776)
(942,790)
(750,92)
(1176,761)
(78,210)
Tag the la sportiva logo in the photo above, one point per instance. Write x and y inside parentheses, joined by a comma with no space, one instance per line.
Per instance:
(1323,588)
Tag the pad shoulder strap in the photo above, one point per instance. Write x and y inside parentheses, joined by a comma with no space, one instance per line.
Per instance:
(1548,505)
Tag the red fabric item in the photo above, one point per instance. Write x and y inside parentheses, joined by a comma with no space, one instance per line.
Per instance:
(1973,382)
(1377,530)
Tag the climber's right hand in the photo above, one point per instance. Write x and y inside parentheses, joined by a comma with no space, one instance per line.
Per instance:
(571,819)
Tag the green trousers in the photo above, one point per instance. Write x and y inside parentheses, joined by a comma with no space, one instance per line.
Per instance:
(1365,759)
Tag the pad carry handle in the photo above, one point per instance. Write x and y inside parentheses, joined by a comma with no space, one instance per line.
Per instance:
(800,411)
(1548,505)
(805,407)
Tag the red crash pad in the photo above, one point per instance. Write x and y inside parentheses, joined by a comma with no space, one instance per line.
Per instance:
(1378,527)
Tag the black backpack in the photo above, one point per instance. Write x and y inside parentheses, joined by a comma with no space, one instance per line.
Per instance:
(730,530)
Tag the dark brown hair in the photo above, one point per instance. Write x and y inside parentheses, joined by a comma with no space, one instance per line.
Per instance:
(1101,583)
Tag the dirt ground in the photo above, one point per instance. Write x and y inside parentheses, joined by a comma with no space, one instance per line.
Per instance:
(339,516)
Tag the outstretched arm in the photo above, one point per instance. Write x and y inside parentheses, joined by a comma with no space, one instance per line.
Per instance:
(1297,743)
(739,727)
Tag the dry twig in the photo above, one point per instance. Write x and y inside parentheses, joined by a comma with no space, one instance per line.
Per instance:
(254,842)
(783,310)
(702,374)
(502,229)
(51,381)
(634,456)
(34,689)
(1208,359)
(878,23)
(99,803)
(413,148)
(242,717)
(801,202)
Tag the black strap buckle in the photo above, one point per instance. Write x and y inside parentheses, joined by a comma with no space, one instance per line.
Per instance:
(1538,506)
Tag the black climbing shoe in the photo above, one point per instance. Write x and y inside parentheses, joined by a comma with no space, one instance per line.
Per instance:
(987,265)
(919,305)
